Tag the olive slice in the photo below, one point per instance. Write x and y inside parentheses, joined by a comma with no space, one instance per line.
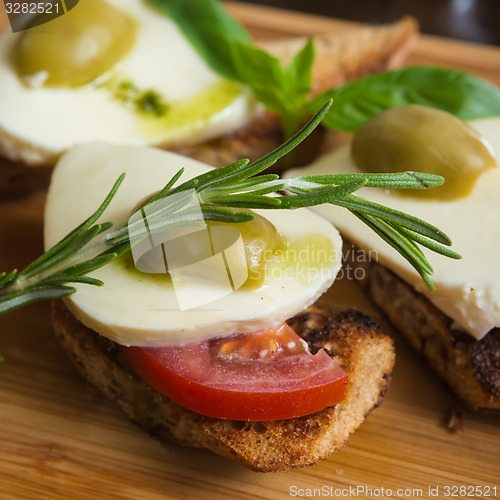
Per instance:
(423,139)
(76,48)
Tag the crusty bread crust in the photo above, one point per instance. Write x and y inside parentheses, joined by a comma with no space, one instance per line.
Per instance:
(471,368)
(351,337)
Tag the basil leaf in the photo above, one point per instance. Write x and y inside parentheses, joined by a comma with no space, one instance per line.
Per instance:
(283,90)
(209,28)
(461,94)
(262,72)
(299,77)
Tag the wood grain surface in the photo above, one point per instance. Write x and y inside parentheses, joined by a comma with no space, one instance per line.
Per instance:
(60,439)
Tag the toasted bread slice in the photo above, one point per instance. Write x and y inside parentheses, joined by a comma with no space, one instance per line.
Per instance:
(470,367)
(352,338)
(339,58)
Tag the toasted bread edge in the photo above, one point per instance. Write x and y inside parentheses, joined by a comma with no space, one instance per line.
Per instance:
(469,367)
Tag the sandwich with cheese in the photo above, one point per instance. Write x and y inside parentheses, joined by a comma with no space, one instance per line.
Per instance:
(208,355)
(124,72)
(456,327)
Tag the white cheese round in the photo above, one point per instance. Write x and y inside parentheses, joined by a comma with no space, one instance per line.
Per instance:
(467,290)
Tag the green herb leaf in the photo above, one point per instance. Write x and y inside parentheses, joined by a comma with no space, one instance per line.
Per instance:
(283,90)
(357,204)
(461,94)
(6,278)
(400,180)
(401,244)
(16,300)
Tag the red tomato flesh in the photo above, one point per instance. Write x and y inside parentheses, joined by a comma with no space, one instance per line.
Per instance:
(269,375)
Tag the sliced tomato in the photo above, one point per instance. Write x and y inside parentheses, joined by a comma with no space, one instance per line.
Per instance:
(269,375)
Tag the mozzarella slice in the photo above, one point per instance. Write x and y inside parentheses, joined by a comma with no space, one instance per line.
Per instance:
(135,308)
(467,290)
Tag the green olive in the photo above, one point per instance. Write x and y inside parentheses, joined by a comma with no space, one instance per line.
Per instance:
(76,48)
(424,139)
(261,240)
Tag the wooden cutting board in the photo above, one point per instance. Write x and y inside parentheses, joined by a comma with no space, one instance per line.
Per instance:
(60,439)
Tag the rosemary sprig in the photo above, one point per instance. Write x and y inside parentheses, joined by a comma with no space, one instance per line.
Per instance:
(241,184)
